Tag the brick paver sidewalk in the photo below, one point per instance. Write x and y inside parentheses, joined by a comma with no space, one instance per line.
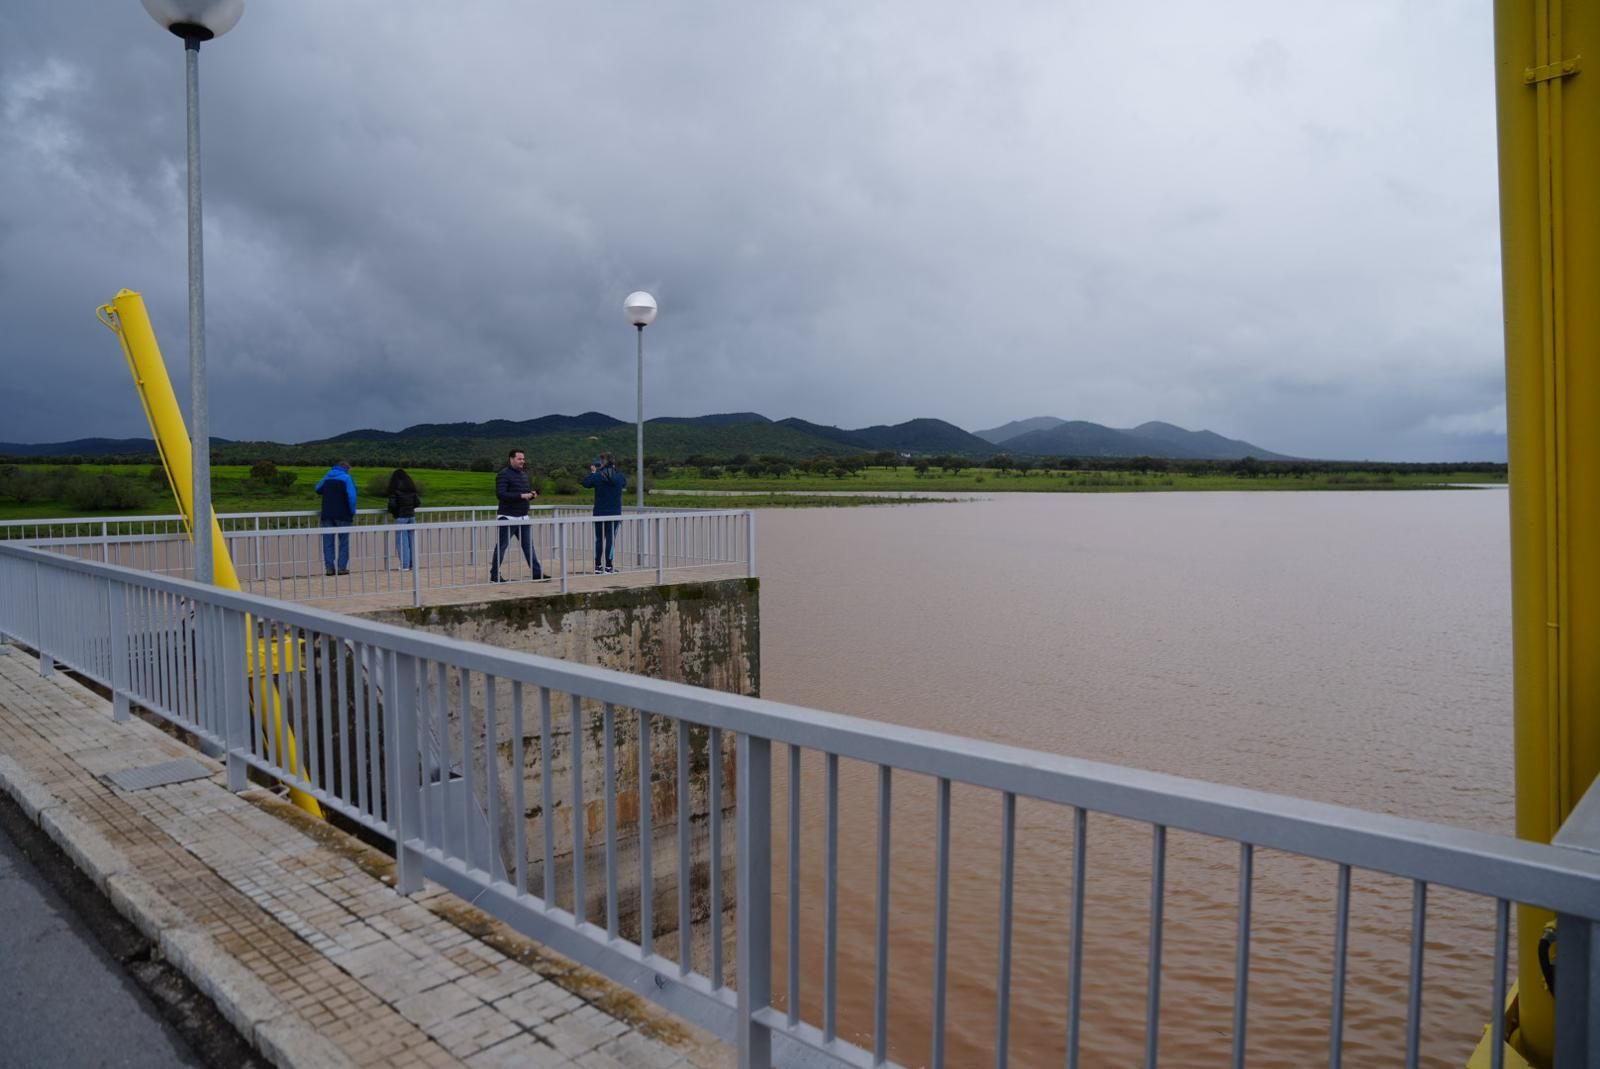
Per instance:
(290,926)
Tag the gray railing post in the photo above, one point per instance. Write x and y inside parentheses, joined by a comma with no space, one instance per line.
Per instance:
(1577,992)
(47,664)
(260,566)
(117,620)
(236,728)
(661,549)
(105,542)
(754,951)
(416,567)
(405,770)
(750,541)
(561,551)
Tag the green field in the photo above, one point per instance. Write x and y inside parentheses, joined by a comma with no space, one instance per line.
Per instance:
(233,491)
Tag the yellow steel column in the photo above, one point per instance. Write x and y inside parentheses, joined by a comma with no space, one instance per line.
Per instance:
(127,318)
(1550,248)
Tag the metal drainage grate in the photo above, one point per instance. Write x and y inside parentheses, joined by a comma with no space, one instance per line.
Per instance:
(140,779)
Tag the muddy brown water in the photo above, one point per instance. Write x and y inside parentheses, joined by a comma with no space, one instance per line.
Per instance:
(1351,648)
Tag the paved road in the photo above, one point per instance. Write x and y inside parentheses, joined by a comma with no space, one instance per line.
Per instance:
(64,1001)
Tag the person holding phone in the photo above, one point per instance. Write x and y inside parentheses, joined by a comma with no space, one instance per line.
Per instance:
(607,481)
(513,491)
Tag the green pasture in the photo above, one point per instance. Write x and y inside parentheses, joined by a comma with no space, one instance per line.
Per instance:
(234,491)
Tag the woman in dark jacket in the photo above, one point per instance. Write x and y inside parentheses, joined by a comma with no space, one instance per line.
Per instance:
(403,502)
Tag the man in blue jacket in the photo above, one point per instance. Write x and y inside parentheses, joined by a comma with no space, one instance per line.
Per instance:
(513,492)
(607,482)
(338,492)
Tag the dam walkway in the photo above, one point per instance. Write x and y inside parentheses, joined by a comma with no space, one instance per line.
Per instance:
(294,929)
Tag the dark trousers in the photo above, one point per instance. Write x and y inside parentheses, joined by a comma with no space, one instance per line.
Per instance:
(605,536)
(343,544)
(524,536)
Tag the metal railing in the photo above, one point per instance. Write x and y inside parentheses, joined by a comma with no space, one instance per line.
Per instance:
(437,744)
(289,560)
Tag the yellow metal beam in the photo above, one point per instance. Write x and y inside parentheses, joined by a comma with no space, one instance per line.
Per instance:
(1549,127)
(127,318)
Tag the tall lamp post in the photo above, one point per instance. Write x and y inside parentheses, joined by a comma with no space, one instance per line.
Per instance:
(641,310)
(195,21)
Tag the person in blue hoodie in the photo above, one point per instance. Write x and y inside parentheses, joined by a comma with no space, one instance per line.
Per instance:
(607,482)
(338,492)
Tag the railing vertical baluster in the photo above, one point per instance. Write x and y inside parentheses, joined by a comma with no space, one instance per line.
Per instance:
(659,526)
(468,795)
(580,905)
(1080,871)
(443,789)
(519,827)
(359,721)
(1341,940)
(400,703)
(281,723)
(714,806)
(647,879)
(794,885)
(491,768)
(1419,917)
(830,906)
(236,698)
(685,930)
(324,677)
(1241,967)
(609,721)
(1497,1016)
(753,813)
(880,997)
(547,801)
(121,681)
(941,921)
(339,711)
(1002,1017)
(309,760)
(750,541)
(372,662)
(1158,887)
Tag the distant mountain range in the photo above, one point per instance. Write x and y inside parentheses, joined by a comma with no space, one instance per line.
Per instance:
(1047,436)
(566,438)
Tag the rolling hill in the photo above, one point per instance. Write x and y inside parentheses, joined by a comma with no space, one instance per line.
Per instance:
(563,439)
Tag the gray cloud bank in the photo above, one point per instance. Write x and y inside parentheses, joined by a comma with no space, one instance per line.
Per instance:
(1276,221)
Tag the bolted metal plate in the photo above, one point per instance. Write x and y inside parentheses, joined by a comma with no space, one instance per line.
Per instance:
(140,779)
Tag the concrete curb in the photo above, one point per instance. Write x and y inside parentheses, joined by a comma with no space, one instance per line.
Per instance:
(264,1022)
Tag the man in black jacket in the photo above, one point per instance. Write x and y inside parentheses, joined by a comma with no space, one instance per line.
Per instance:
(512,489)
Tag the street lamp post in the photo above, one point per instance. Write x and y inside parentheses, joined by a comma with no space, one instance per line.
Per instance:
(195,21)
(641,310)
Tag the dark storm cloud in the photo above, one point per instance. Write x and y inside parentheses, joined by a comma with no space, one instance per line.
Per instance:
(1277,223)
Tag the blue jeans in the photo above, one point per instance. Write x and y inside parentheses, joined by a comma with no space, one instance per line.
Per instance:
(344,546)
(403,540)
(605,534)
(524,536)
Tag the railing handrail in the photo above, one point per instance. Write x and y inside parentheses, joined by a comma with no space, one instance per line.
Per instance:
(173,517)
(1487,863)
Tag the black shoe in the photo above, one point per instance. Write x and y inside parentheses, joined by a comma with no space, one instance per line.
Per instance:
(328,572)
(344,571)
(541,578)
(498,579)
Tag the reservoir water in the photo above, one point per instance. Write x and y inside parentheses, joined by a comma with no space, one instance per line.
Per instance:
(1351,648)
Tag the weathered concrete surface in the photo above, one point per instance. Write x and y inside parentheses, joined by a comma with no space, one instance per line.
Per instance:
(292,927)
(705,634)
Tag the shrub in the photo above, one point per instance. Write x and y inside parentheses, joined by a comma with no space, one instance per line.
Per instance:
(482,464)
(106,492)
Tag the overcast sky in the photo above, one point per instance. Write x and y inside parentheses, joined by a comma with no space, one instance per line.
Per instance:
(1275,220)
